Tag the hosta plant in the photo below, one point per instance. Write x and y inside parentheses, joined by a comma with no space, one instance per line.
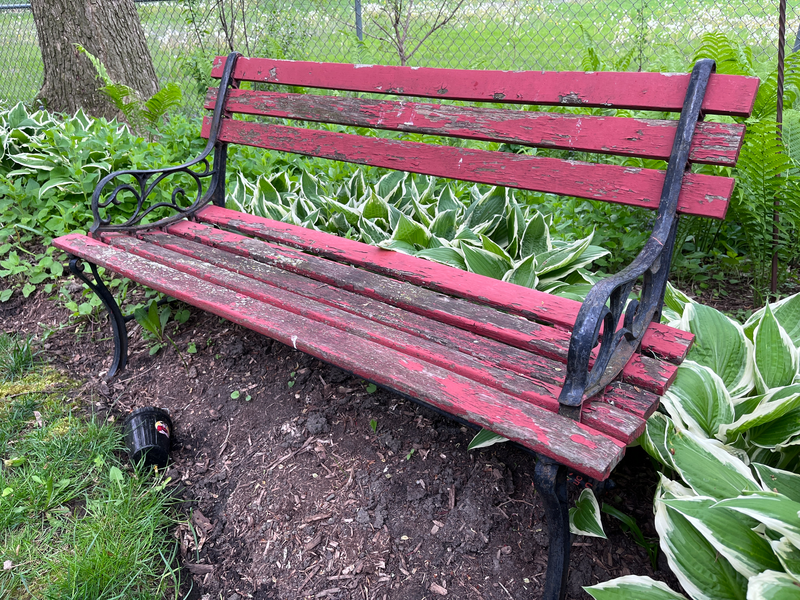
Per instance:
(728,503)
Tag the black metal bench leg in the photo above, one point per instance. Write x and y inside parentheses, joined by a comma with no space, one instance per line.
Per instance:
(550,479)
(115,314)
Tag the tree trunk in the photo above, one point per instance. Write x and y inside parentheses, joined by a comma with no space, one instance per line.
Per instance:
(108,29)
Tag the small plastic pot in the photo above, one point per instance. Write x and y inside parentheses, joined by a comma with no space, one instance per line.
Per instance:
(148,433)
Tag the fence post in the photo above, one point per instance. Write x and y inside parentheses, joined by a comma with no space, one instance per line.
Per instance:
(359,27)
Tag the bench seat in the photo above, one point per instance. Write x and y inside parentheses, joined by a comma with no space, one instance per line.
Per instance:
(494,369)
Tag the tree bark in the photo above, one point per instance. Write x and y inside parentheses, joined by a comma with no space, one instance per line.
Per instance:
(108,29)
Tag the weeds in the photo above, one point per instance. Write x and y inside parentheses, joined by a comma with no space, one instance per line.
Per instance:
(17,356)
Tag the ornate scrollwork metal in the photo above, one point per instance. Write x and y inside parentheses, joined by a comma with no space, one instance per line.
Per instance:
(148,180)
(607,300)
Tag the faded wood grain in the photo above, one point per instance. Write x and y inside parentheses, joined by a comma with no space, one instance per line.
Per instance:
(573,444)
(713,143)
(701,195)
(533,388)
(727,94)
(666,342)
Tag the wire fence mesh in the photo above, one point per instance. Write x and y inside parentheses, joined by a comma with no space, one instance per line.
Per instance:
(492,34)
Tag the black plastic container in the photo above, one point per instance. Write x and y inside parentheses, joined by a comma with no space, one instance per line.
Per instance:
(148,435)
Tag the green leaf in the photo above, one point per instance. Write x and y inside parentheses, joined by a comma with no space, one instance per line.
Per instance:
(444,225)
(769,407)
(720,344)
(777,480)
(490,246)
(371,388)
(772,585)
(632,587)
(235,394)
(375,208)
(776,511)
(115,475)
(584,517)
(34,161)
(788,555)
(5,295)
(371,232)
(191,348)
(484,263)
(698,399)
(560,257)
(701,571)
(446,256)
(776,357)
(410,232)
(7,492)
(786,312)
(708,469)
(28,289)
(485,438)
(490,205)
(536,237)
(448,201)
(265,198)
(523,273)
(747,551)
(654,438)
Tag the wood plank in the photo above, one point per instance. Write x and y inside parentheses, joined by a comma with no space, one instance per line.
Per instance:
(726,95)
(549,373)
(648,373)
(571,443)
(713,143)
(607,418)
(701,195)
(663,341)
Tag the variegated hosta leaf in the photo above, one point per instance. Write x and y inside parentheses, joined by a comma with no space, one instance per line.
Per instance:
(535,237)
(720,345)
(768,407)
(773,585)
(777,434)
(788,555)
(444,225)
(747,551)
(702,572)
(675,300)
(588,256)
(485,263)
(490,246)
(654,438)
(786,312)
(523,273)
(706,468)
(698,399)
(446,256)
(492,204)
(410,232)
(776,511)
(562,256)
(375,208)
(485,438)
(584,517)
(776,356)
(777,480)
(632,587)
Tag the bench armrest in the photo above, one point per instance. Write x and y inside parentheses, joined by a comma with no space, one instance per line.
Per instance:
(141,183)
(606,301)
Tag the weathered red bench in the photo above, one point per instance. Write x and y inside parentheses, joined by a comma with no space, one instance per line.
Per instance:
(519,362)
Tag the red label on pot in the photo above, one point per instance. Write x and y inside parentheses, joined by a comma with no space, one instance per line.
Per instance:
(162,428)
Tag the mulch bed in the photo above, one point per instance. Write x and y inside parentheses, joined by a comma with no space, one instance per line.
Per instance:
(292,494)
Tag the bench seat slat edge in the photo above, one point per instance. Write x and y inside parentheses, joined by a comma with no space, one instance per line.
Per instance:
(571,443)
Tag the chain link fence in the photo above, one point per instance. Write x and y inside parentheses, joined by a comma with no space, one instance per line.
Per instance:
(488,34)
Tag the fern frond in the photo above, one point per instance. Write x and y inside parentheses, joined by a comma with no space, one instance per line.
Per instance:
(729,56)
(161,102)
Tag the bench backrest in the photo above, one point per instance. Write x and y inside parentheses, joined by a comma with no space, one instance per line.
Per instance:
(701,194)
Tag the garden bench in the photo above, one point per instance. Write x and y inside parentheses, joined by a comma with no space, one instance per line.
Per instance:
(572,382)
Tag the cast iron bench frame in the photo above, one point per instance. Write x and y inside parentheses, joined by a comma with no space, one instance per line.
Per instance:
(590,372)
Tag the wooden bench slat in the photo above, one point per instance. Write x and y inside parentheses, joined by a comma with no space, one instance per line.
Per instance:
(726,95)
(611,420)
(549,373)
(713,143)
(651,374)
(573,444)
(701,195)
(663,341)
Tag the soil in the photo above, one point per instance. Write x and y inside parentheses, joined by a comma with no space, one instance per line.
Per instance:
(312,484)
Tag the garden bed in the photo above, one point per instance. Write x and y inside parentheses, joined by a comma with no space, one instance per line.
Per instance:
(310,484)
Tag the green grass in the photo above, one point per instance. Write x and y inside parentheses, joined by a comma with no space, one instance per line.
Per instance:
(17,356)
(76,522)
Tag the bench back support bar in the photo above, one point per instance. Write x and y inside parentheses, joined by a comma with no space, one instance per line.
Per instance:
(606,301)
